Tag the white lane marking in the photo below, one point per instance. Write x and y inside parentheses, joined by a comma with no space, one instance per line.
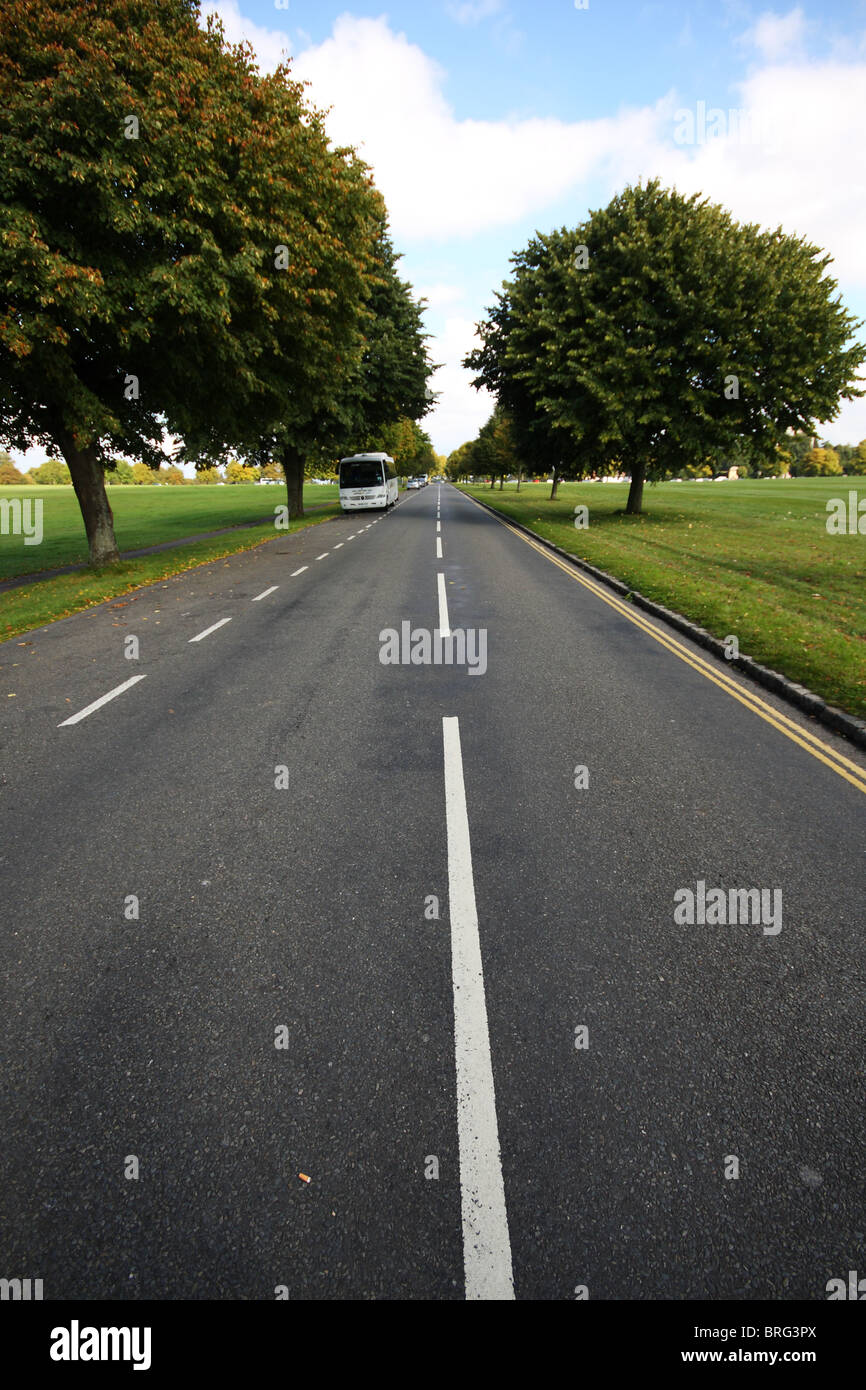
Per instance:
(340,546)
(486,1244)
(272,590)
(438,548)
(323,554)
(444,627)
(438,526)
(350,538)
(297,572)
(208,630)
(103,700)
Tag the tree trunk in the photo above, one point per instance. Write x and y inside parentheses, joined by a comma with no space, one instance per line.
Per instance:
(492,481)
(88,480)
(501,481)
(555,488)
(518,480)
(293,468)
(635,493)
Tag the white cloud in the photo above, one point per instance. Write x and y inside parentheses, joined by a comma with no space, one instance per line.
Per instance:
(461,410)
(849,427)
(777,36)
(439,296)
(473,11)
(802,178)
(272,46)
(442,177)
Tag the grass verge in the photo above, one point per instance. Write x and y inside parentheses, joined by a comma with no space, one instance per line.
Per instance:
(32,605)
(751,559)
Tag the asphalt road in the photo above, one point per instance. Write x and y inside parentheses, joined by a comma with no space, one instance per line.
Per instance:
(302,913)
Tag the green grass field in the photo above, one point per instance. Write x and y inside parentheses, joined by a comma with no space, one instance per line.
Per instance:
(143,516)
(750,558)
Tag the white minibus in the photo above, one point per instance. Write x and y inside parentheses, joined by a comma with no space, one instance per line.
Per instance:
(367,480)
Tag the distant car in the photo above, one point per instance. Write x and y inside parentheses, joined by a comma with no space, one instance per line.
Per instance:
(413,482)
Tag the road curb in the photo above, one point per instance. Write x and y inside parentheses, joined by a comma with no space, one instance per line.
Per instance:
(806,700)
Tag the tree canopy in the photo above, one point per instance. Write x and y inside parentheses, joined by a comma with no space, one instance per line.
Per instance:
(182,251)
(660,332)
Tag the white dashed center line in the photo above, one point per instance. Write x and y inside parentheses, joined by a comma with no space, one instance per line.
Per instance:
(272,590)
(438,548)
(486,1242)
(208,630)
(340,546)
(322,556)
(444,627)
(103,700)
(295,573)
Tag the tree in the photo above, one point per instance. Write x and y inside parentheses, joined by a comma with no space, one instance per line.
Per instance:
(390,384)
(143,475)
(820,463)
(661,332)
(493,452)
(9,474)
(796,445)
(122,472)
(172,475)
(382,380)
(208,476)
(52,472)
(237,472)
(318,208)
(407,444)
(270,471)
(459,462)
(857,462)
(181,247)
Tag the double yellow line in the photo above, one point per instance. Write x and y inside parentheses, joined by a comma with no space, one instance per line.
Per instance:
(825,754)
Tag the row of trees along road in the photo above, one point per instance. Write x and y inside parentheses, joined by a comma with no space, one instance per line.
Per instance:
(183,253)
(661,332)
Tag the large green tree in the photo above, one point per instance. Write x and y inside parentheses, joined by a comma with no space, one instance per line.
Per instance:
(406,442)
(383,376)
(661,332)
(857,462)
(181,248)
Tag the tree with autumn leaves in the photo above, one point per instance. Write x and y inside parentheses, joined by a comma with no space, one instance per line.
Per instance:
(182,250)
(660,332)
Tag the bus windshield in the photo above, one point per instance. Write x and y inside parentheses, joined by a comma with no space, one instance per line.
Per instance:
(361,473)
